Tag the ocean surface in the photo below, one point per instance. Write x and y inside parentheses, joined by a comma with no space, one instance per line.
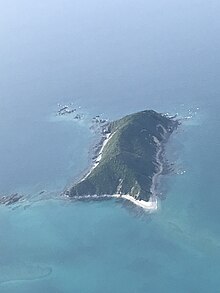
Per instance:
(108,58)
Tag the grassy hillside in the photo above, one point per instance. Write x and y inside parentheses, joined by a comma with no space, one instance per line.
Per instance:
(128,160)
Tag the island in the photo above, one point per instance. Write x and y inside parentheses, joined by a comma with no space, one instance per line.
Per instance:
(128,160)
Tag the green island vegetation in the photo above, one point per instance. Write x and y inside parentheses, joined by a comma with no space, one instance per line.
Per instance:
(130,158)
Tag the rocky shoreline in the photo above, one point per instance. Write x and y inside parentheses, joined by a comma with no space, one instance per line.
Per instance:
(11,199)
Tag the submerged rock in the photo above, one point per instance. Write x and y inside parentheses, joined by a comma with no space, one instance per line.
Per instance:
(10,199)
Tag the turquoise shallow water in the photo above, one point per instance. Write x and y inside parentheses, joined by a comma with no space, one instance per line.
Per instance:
(111,58)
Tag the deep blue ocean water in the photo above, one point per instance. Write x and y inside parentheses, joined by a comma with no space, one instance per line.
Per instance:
(109,58)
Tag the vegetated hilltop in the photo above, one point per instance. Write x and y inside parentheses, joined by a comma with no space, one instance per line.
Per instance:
(129,159)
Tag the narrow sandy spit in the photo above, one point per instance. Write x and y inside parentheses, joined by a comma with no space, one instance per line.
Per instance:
(150,205)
